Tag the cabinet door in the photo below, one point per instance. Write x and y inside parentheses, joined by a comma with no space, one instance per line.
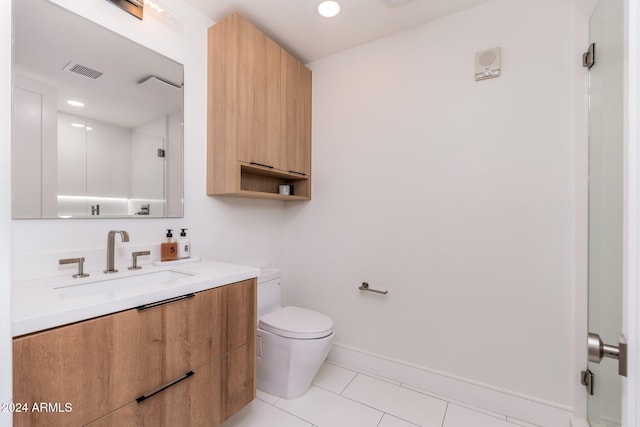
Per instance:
(241,314)
(295,101)
(193,401)
(258,79)
(238,379)
(239,362)
(95,366)
(222,98)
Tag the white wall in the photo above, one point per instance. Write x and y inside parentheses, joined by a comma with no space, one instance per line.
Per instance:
(241,231)
(456,196)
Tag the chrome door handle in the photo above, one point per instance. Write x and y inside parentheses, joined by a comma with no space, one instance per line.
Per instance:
(599,350)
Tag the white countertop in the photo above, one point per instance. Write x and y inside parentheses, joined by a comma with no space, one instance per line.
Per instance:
(47,303)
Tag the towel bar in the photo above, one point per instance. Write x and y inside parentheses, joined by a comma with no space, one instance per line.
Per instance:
(365,287)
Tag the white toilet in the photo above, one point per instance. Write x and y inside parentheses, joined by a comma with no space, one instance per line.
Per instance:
(292,342)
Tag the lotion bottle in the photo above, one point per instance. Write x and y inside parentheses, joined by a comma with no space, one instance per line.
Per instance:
(169,248)
(184,245)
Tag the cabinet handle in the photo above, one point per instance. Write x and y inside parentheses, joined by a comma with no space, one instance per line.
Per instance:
(298,173)
(163,388)
(163,302)
(261,164)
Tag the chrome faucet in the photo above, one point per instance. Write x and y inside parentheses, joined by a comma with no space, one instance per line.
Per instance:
(111,238)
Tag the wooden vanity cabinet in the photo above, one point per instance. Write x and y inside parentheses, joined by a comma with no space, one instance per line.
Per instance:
(104,364)
(259,115)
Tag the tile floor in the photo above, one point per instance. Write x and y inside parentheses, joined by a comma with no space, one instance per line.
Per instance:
(341,397)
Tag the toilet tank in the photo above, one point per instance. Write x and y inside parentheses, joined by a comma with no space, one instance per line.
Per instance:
(268,290)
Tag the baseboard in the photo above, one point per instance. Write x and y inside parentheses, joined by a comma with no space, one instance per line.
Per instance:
(511,404)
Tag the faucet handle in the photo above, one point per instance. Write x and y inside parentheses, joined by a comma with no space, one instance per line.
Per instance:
(79,261)
(135,256)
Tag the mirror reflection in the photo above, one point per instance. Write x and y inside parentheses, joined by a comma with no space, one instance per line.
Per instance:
(97,121)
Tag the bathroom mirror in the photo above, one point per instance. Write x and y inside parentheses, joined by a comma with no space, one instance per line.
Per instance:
(96,123)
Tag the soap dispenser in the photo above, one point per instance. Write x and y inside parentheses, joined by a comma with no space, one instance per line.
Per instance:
(169,248)
(184,245)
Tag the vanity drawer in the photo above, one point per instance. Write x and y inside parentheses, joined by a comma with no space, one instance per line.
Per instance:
(187,402)
(192,332)
(101,364)
(95,366)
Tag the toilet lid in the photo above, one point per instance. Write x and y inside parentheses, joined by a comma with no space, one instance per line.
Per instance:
(296,322)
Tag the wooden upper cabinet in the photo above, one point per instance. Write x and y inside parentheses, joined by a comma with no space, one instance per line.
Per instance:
(259,115)
(295,113)
(258,97)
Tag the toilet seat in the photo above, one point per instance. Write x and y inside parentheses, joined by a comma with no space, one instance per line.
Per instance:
(296,322)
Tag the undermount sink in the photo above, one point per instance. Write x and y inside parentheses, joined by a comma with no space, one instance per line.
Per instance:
(103,285)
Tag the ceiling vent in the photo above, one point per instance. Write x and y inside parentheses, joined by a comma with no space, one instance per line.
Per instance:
(160,86)
(83,70)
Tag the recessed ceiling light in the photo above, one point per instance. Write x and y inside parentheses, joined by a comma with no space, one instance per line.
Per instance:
(75,103)
(328,8)
(77,125)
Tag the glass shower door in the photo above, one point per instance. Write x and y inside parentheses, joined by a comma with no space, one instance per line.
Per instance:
(606,205)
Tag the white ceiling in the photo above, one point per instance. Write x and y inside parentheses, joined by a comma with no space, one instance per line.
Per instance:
(296,26)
